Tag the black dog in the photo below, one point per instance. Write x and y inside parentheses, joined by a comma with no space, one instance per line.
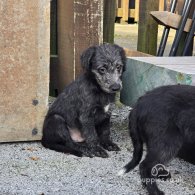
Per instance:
(78,122)
(164,119)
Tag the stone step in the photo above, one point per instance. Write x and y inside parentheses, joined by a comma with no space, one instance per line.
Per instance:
(145,73)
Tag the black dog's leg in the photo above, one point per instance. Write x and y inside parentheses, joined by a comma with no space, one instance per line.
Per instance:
(158,155)
(147,179)
(136,141)
(103,131)
(186,152)
(56,136)
(91,137)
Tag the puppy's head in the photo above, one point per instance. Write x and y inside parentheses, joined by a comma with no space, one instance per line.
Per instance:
(107,63)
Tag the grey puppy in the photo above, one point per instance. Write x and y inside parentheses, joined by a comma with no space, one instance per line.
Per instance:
(78,122)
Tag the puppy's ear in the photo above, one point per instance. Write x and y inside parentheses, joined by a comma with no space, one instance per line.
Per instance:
(86,58)
(123,57)
(122,54)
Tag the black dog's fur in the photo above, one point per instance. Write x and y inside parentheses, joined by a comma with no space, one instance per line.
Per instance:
(78,122)
(164,119)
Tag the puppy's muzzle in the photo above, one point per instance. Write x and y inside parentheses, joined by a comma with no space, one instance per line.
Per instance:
(115,87)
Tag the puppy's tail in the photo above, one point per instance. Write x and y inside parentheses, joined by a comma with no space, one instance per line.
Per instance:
(137,144)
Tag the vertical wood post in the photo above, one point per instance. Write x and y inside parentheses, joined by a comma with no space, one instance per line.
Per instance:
(109,19)
(136,10)
(161,5)
(24,68)
(125,7)
(53,49)
(80,25)
(53,27)
(148,28)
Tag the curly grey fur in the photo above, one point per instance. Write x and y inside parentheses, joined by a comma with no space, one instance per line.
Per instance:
(78,122)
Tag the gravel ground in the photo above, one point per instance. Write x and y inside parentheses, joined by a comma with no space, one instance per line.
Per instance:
(28,168)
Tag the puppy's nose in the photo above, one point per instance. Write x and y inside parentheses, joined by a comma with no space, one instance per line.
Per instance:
(115,87)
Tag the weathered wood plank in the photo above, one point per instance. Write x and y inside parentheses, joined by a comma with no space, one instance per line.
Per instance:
(145,73)
(148,28)
(161,5)
(24,68)
(133,53)
(53,49)
(108,22)
(66,52)
(170,19)
(131,13)
(53,28)
(80,25)
(125,6)
(136,10)
(119,12)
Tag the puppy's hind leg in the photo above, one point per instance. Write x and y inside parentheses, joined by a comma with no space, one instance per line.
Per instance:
(56,136)
(137,144)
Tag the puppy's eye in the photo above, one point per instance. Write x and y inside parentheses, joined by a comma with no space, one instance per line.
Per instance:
(102,70)
(118,67)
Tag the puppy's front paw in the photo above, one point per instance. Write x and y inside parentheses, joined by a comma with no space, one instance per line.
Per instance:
(100,152)
(110,146)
